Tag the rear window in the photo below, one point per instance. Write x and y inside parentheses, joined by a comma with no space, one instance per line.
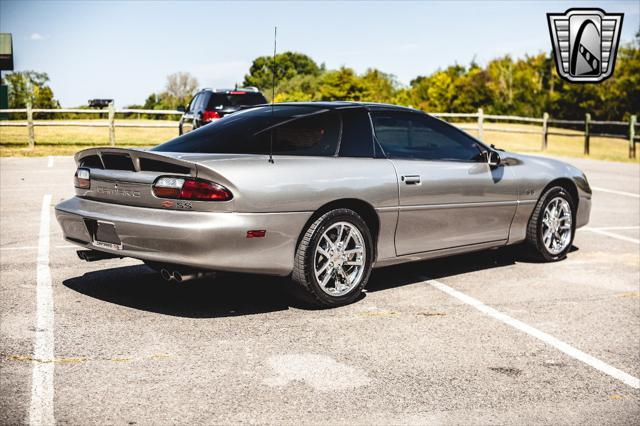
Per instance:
(296,130)
(224,100)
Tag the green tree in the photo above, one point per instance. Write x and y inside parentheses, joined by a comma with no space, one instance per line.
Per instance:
(152,102)
(30,87)
(288,65)
(341,85)
(528,85)
(471,90)
(380,87)
(299,88)
(500,84)
(619,96)
(437,92)
(404,96)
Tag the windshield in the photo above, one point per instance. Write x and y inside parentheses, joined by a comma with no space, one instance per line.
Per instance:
(296,130)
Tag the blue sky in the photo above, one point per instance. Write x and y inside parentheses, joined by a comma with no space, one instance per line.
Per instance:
(125,50)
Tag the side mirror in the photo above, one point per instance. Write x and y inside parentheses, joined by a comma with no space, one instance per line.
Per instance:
(493,158)
(180,108)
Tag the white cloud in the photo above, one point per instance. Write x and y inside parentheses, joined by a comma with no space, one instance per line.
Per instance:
(36,37)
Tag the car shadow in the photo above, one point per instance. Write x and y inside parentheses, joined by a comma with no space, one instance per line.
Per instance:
(229,294)
(224,295)
(409,273)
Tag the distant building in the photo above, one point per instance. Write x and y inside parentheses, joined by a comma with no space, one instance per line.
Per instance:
(6,64)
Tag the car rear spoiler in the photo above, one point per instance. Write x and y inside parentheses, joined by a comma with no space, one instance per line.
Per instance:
(133,160)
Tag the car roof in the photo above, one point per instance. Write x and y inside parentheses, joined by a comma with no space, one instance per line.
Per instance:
(238,89)
(349,104)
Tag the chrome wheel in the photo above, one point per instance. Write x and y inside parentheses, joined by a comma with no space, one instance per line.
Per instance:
(557,225)
(339,259)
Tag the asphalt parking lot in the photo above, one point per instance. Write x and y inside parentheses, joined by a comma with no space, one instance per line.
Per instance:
(484,338)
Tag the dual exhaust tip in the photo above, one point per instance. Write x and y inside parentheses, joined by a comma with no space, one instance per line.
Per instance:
(177,276)
(169,275)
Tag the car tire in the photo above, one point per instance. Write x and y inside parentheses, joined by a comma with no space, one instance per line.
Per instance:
(549,236)
(338,243)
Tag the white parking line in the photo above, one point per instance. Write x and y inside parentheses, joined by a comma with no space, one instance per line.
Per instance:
(626,378)
(41,409)
(611,228)
(50,163)
(611,191)
(611,234)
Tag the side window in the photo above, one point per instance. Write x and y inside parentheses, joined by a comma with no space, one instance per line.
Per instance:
(313,135)
(202,100)
(357,139)
(199,102)
(192,104)
(408,135)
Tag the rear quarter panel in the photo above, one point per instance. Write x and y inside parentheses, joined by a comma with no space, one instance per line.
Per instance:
(305,184)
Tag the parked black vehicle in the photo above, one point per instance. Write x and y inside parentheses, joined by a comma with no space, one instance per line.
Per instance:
(210,104)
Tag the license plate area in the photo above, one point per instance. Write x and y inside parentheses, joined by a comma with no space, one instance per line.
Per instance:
(103,234)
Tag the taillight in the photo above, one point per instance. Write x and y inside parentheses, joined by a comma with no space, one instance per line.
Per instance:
(82,178)
(210,115)
(168,187)
(190,189)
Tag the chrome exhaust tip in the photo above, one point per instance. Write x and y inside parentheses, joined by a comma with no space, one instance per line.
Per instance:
(182,276)
(166,275)
(95,255)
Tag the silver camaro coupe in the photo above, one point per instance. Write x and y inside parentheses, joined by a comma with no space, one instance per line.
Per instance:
(322,192)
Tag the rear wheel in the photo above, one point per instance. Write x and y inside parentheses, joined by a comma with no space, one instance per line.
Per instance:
(333,259)
(551,227)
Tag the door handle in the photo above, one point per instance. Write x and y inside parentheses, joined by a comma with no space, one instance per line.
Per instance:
(411,179)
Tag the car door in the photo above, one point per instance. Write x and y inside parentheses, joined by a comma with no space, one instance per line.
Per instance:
(198,110)
(188,116)
(448,194)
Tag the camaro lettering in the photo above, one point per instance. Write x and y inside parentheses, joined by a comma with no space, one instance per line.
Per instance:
(117,192)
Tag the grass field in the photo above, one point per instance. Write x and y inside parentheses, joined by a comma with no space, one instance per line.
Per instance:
(611,149)
(52,140)
(56,140)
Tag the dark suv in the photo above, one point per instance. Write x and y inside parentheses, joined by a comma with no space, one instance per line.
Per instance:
(209,104)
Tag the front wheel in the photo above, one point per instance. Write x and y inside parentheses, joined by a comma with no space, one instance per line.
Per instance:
(551,227)
(333,259)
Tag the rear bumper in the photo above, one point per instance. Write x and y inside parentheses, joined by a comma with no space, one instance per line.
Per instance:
(207,240)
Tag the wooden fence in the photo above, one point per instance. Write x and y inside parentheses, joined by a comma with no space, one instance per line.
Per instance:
(111,119)
(481,123)
(588,125)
